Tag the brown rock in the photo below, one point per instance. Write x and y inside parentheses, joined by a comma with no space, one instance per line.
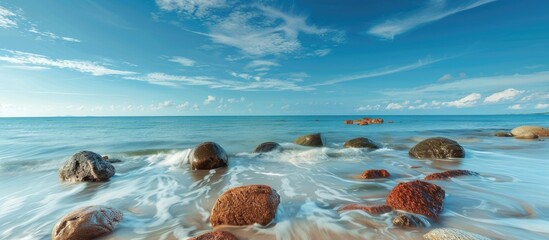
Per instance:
(366,121)
(437,148)
(245,205)
(361,142)
(503,134)
(220,235)
(537,130)
(408,220)
(371,209)
(374,173)
(312,140)
(87,223)
(450,174)
(527,136)
(86,166)
(208,155)
(417,197)
(348,121)
(268,147)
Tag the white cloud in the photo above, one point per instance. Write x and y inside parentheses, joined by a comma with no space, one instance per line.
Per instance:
(394,106)
(7,18)
(236,100)
(183,105)
(24,67)
(193,8)
(541,106)
(536,96)
(506,94)
(262,64)
(446,77)
(162,105)
(209,100)
(174,80)
(183,61)
(467,101)
(51,35)
(435,10)
(516,107)
(321,52)
(285,107)
(368,108)
(420,106)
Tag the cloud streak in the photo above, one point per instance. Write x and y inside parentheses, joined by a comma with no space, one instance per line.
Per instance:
(7,18)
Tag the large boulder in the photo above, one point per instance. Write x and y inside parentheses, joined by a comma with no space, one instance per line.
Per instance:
(452,234)
(312,140)
(375,173)
(409,220)
(417,197)
(218,235)
(268,147)
(450,174)
(437,148)
(361,142)
(208,155)
(87,223)
(245,205)
(537,130)
(371,209)
(86,166)
(528,135)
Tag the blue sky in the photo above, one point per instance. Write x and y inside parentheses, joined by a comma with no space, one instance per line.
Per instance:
(230,57)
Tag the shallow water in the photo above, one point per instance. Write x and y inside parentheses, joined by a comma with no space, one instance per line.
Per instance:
(163,199)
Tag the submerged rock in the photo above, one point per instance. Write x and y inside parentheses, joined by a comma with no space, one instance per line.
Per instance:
(417,197)
(87,223)
(452,234)
(527,136)
(312,140)
(218,235)
(111,160)
(361,142)
(408,220)
(208,155)
(437,148)
(86,166)
(503,134)
(371,209)
(450,174)
(374,173)
(537,130)
(268,147)
(245,205)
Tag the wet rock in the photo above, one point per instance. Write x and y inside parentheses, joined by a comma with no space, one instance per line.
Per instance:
(408,220)
(86,166)
(368,121)
(87,223)
(450,174)
(245,205)
(111,160)
(452,234)
(361,142)
(374,173)
(208,155)
(537,130)
(503,134)
(417,197)
(220,235)
(437,148)
(268,147)
(371,209)
(527,136)
(348,122)
(312,140)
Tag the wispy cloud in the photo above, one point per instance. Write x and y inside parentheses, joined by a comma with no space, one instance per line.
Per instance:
(162,105)
(446,77)
(7,18)
(209,100)
(516,107)
(187,62)
(262,64)
(507,94)
(192,8)
(51,35)
(467,101)
(435,10)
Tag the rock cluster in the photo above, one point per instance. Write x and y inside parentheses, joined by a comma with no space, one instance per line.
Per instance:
(86,166)
(417,197)
(437,148)
(365,121)
(87,223)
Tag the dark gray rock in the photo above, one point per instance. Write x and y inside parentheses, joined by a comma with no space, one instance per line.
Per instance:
(86,166)
(312,140)
(208,155)
(503,134)
(87,223)
(268,147)
(437,148)
(409,220)
(361,142)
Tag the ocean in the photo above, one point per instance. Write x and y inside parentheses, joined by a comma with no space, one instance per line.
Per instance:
(162,198)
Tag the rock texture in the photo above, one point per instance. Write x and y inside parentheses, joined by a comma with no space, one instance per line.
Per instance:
(503,134)
(537,130)
(245,205)
(452,234)
(408,220)
(208,155)
(312,140)
(527,136)
(268,147)
(417,197)
(373,174)
(450,174)
(361,142)
(437,148)
(86,166)
(87,223)
(220,235)
(371,209)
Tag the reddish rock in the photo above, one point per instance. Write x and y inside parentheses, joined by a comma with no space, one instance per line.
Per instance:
(221,235)
(372,120)
(245,205)
(87,223)
(450,174)
(417,197)
(371,209)
(348,122)
(374,173)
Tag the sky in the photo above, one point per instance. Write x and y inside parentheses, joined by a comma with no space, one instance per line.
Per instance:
(273,57)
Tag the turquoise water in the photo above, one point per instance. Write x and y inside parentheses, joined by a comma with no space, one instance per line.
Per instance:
(163,199)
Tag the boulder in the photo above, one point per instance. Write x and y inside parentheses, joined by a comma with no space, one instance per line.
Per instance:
(245,205)
(361,142)
(408,220)
(417,197)
(527,136)
(452,234)
(371,209)
(450,174)
(437,148)
(312,140)
(374,173)
(86,166)
(87,223)
(537,130)
(208,155)
(268,147)
(218,235)
(503,134)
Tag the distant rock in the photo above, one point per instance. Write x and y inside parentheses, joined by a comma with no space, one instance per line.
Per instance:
(312,140)
(408,220)
(374,173)
(208,155)
(503,134)
(368,121)
(348,122)
(361,142)
(218,235)
(268,147)
(452,234)
(417,197)
(437,148)
(111,160)
(87,223)
(527,136)
(450,174)
(86,166)
(371,209)
(537,130)
(245,205)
